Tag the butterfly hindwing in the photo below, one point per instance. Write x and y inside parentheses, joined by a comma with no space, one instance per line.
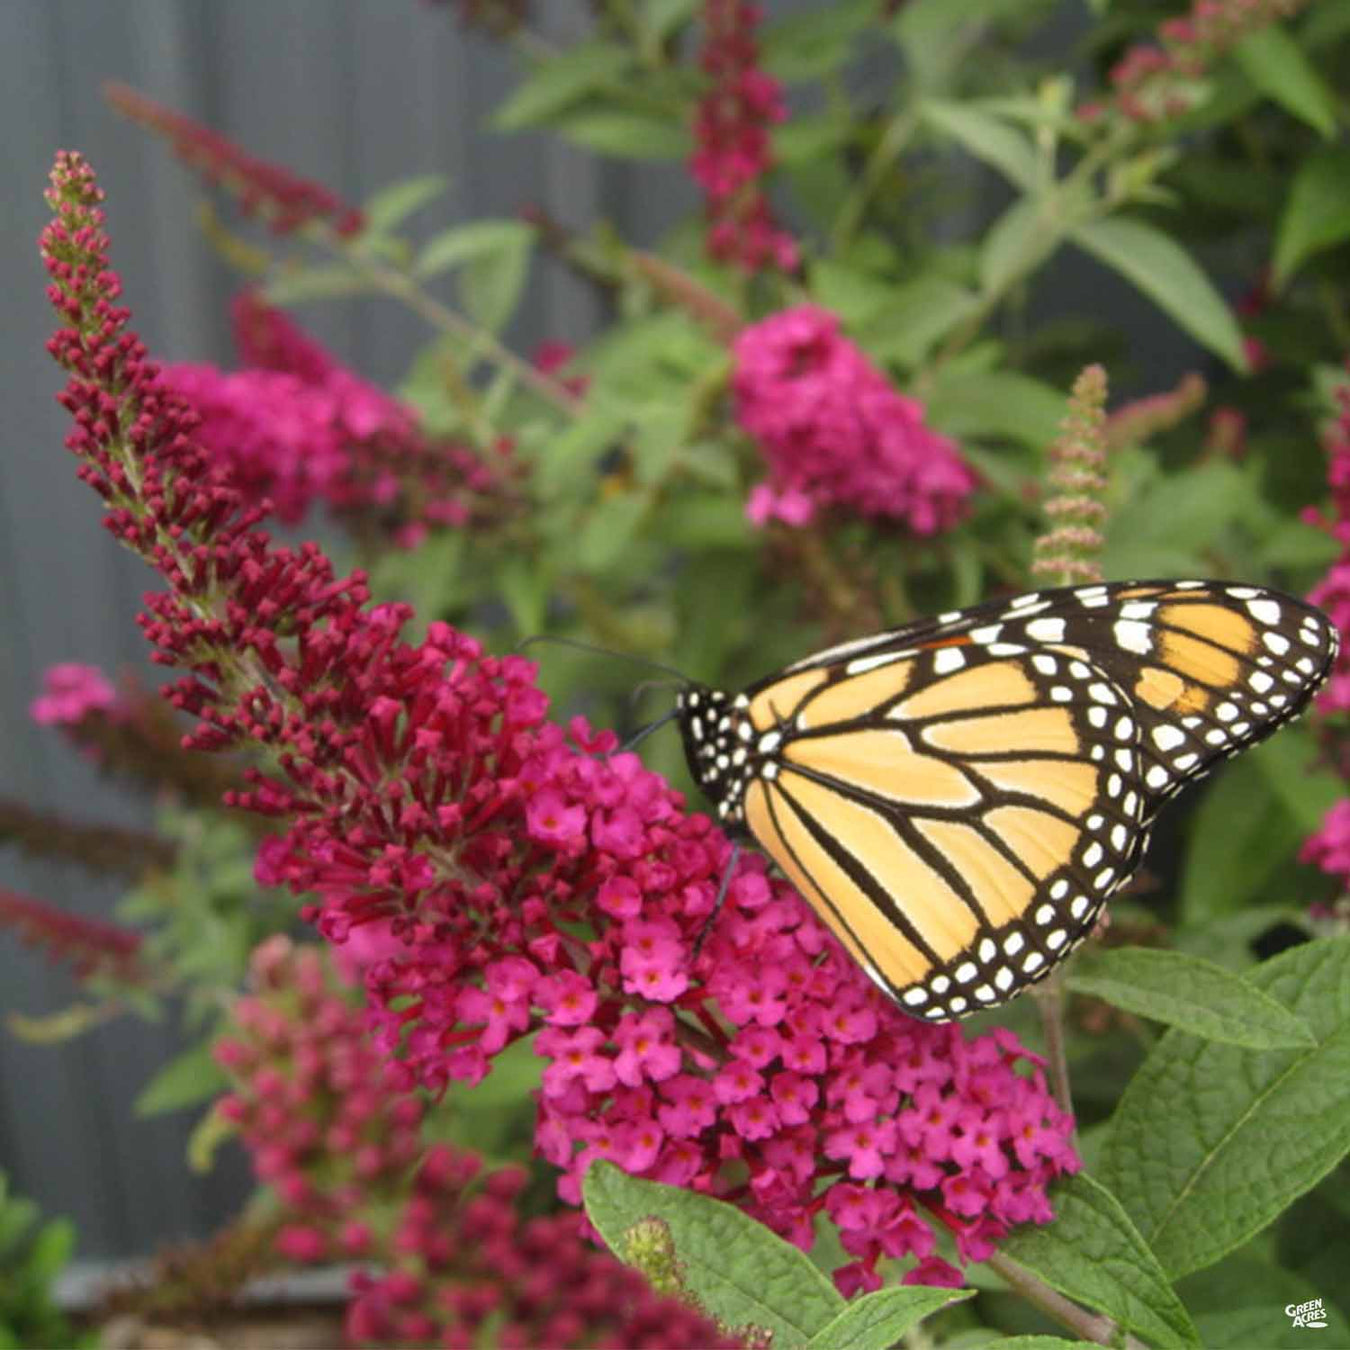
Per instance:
(958,797)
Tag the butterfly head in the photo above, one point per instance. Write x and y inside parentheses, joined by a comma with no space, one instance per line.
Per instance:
(714,746)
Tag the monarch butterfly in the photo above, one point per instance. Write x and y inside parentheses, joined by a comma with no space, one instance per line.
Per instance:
(957,798)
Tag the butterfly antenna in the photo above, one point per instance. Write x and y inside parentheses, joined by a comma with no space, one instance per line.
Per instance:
(577,645)
(655,684)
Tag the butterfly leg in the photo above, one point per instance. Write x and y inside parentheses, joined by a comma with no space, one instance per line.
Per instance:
(722,889)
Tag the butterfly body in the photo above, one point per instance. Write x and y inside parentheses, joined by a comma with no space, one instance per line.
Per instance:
(959,797)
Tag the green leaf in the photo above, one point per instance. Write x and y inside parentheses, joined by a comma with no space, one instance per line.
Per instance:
(465,243)
(1016,242)
(559,82)
(1324,26)
(879,1320)
(295,285)
(854,295)
(1292,764)
(1251,821)
(1032,1343)
(1240,1303)
(1093,1253)
(662,17)
(493,259)
(1188,992)
(51,1251)
(988,138)
(208,1134)
(1274,62)
(704,521)
(62,1025)
(431,578)
(626,135)
(741,1272)
(809,135)
(917,316)
(609,528)
(568,461)
(996,403)
(393,204)
(1167,274)
(1211,1142)
(1190,511)
(936,34)
(185,1080)
(1317,214)
(1012,477)
(1238,837)
(807,46)
(1294,543)
(524,591)
(660,430)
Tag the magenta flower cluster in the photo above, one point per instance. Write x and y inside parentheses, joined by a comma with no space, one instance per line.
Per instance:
(466,1271)
(327,1119)
(732,153)
(1156,81)
(1332,593)
(70,692)
(281,440)
(89,947)
(1329,847)
(834,432)
(295,428)
(335,1134)
(285,200)
(770,1058)
(533,881)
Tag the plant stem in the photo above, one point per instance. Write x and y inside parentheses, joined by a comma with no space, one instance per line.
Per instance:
(1049,996)
(1090,1326)
(397,283)
(888,148)
(1058,218)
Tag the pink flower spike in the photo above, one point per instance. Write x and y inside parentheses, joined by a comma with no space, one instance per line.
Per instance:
(865,1147)
(935,1272)
(835,434)
(70,692)
(568,999)
(646,1047)
(733,152)
(420,793)
(689,1106)
(574,1057)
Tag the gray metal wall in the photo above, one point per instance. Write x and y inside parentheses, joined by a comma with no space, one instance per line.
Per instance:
(355,93)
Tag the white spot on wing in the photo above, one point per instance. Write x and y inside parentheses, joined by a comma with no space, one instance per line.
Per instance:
(1134,636)
(862,664)
(1167,737)
(1046,630)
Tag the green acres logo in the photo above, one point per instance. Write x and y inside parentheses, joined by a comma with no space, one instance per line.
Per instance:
(1309,1314)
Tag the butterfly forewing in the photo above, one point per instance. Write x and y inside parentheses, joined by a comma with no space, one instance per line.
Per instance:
(958,797)
(961,835)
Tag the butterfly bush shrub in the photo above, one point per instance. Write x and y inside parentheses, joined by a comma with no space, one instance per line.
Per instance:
(822,406)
